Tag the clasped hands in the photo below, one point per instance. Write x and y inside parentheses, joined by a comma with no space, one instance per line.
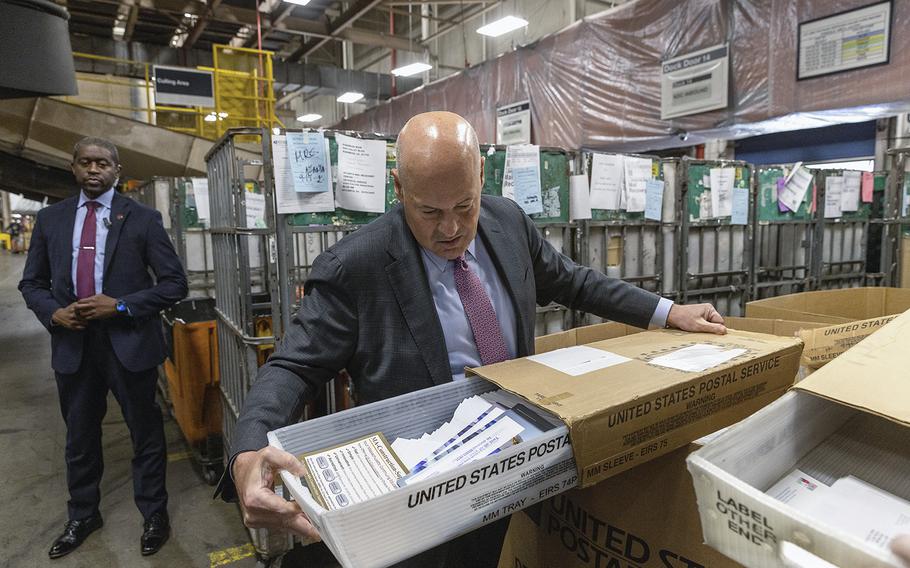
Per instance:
(77,315)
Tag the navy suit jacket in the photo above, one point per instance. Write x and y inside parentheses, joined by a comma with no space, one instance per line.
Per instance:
(136,246)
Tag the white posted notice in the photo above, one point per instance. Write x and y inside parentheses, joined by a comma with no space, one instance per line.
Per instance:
(201,195)
(361,174)
(850,194)
(834,190)
(522,170)
(722,191)
(579,198)
(606,181)
(794,192)
(287,199)
(255,210)
(578,360)
(354,472)
(636,174)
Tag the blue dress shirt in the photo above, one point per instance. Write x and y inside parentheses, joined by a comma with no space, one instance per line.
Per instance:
(101,214)
(455,326)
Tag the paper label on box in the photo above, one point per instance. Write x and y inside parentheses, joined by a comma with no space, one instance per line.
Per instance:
(578,360)
(697,358)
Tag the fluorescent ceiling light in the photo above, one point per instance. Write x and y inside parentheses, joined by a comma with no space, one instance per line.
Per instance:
(210,117)
(298,2)
(502,26)
(412,69)
(311,117)
(350,97)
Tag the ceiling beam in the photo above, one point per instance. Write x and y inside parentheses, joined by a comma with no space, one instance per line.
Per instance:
(344,21)
(201,22)
(131,23)
(374,39)
(340,30)
(469,16)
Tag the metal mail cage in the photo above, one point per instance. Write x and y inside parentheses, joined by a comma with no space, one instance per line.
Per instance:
(841,242)
(626,245)
(784,240)
(895,221)
(714,255)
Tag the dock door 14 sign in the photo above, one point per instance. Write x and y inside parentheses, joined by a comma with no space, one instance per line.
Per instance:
(695,82)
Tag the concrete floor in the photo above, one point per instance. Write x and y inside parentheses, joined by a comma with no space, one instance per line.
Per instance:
(33,494)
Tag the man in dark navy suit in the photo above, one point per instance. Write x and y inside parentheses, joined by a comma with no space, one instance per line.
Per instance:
(88,278)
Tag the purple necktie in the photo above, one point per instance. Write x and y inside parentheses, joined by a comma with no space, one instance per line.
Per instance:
(85,264)
(481,315)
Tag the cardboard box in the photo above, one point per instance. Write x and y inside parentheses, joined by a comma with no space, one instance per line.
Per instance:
(649,511)
(645,517)
(833,306)
(851,417)
(825,343)
(627,414)
(405,522)
(611,330)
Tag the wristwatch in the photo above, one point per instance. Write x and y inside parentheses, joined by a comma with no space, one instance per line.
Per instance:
(122,308)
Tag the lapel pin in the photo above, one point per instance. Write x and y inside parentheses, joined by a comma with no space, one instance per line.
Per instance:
(119,216)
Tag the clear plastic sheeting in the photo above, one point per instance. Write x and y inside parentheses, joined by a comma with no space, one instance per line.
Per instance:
(596,84)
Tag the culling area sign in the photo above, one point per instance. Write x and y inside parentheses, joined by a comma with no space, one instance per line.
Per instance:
(182,86)
(695,82)
(513,124)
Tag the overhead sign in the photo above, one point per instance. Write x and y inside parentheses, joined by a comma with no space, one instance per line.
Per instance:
(844,41)
(695,82)
(183,86)
(513,123)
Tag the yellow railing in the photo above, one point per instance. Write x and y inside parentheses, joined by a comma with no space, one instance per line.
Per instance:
(243,83)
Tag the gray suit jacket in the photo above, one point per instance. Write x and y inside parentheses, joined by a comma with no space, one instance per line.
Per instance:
(368,308)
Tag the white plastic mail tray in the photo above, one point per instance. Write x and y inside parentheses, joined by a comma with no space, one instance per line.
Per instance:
(409,520)
(820,437)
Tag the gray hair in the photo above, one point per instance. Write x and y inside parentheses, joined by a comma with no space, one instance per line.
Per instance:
(99,142)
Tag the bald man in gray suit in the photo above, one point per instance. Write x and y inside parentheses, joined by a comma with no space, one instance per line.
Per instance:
(389,304)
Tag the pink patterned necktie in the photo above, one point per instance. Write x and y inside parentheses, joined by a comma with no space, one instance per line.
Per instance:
(85,264)
(477,306)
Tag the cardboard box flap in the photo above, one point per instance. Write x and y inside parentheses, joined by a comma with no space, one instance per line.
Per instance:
(874,375)
(594,404)
(833,306)
(773,326)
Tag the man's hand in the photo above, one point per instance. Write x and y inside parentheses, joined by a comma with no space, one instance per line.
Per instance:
(696,317)
(900,546)
(68,317)
(254,477)
(96,307)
